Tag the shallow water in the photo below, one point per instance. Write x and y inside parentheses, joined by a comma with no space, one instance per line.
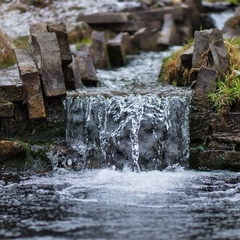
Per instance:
(107,204)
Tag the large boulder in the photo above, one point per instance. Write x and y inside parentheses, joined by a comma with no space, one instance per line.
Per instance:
(210,50)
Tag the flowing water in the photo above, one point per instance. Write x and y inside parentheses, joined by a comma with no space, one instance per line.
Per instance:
(129,118)
(119,203)
(105,204)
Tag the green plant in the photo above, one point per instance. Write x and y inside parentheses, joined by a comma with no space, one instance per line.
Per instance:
(227,90)
(226,93)
(82,42)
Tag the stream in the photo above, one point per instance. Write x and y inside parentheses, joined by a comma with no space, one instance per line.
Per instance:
(113,203)
(131,201)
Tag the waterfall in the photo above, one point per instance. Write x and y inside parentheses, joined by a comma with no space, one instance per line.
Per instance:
(140,131)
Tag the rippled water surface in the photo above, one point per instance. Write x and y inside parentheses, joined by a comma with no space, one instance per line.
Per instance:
(107,204)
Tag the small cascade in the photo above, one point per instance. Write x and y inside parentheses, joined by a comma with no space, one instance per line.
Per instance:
(144,132)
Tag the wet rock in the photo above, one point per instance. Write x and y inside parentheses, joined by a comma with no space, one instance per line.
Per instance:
(201,106)
(125,40)
(83,66)
(231,26)
(168,33)
(31,80)
(104,18)
(63,42)
(11,90)
(116,52)
(98,50)
(38,28)
(70,82)
(214,160)
(9,149)
(186,58)
(210,50)
(47,56)
(132,21)
(6,109)
(145,39)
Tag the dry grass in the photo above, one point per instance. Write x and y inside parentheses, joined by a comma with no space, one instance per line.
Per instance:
(172,71)
(7,56)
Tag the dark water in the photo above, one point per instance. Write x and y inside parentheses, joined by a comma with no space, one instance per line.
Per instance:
(107,204)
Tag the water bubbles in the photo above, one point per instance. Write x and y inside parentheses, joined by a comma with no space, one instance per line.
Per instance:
(134,128)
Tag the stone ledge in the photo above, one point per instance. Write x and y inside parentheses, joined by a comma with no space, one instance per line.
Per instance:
(214,160)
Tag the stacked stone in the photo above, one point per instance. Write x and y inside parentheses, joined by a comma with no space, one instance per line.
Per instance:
(50,69)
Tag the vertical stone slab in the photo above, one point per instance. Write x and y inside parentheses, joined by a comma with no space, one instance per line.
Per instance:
(98,50)
(63,42)
(35,51)
(29,74)
(168,34)
(200,104)
(49,63)
(210,50)
(116,52)
(69,77)
(83,66)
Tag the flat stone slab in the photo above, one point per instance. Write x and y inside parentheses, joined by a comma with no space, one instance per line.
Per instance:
(31,80)
(132,21)
(11,86)
(47,56)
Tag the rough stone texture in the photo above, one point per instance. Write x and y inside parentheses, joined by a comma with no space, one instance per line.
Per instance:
(214,160)
(126,42)
(110,17)
(145,39)
(38,28)
(11,90)
(9,149)
(83,65)
(210,50)
(69,77)
(168,33)
(63,42)
(46,46)
(6,109)
(132,21)
(30,76)
(116,52)
(51,129)
(186,58)
(200,106)
(98,50)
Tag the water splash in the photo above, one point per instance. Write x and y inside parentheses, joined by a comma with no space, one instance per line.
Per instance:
(141,131)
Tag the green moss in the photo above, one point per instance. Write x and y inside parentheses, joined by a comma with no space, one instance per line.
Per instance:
(227,90)
(83,41)
(21,42)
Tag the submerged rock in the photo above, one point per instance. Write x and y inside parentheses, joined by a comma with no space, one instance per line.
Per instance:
(11,149)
